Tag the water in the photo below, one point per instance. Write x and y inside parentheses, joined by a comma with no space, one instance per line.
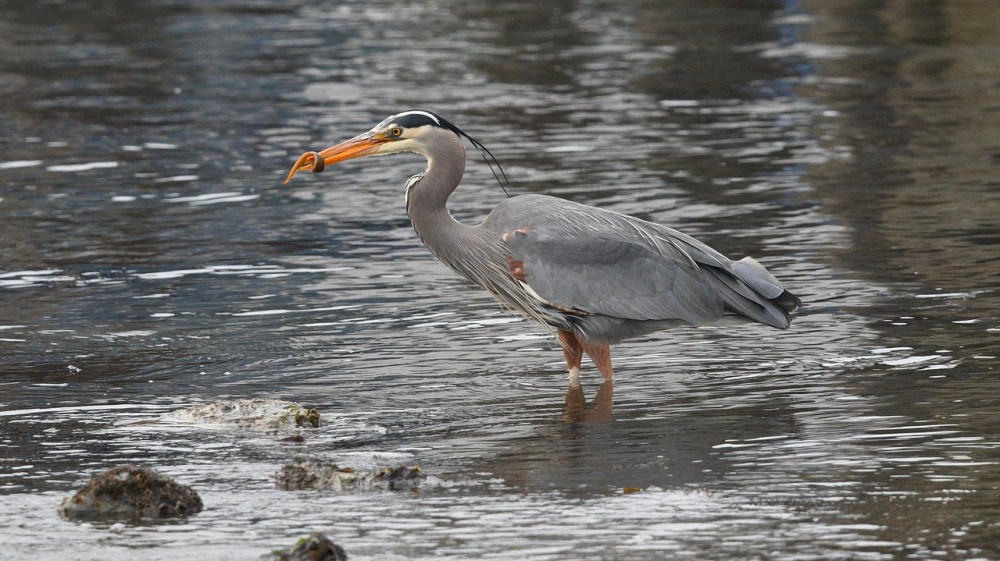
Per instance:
(151,260)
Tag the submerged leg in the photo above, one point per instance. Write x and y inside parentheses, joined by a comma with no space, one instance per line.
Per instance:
(573,351)
(601,355)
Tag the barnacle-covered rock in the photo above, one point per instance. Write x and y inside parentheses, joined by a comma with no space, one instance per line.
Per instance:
(314,475)
(315,547)
(311,474)
(399,477)
(130,491)
(259,414)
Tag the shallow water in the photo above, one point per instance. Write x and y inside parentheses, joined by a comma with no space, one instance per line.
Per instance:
(151,260)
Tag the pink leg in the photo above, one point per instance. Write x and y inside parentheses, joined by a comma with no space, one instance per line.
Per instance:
(601,355)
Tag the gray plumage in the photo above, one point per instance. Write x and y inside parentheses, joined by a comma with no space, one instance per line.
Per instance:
(618,276)
(598,274)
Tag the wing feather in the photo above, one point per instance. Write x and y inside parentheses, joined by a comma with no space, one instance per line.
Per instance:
(599,262)
(614,277)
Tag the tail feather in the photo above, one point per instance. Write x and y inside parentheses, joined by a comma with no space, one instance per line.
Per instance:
(749,290)
(788,301)
(760,279)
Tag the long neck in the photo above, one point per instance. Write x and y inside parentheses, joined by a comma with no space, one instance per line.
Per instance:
(427,198)
(472,251)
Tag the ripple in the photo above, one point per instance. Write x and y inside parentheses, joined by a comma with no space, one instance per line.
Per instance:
(213,198)
(17,164)
(21,279)
(82,167)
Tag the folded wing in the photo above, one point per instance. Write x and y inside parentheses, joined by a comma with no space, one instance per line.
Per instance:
(642,271)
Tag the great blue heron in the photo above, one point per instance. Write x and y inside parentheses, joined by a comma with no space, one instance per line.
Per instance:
(595,276)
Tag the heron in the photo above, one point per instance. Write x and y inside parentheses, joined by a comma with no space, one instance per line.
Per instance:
(593,276)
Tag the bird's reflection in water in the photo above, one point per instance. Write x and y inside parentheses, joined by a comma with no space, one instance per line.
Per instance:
(576,409)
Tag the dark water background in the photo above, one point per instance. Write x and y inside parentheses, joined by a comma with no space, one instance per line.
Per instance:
(150,260)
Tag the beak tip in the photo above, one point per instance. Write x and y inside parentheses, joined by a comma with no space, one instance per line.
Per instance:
(357,147)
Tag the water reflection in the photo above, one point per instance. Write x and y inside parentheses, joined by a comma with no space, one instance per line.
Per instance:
(576,409)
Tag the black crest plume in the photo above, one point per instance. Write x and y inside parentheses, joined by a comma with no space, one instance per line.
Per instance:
(488,156)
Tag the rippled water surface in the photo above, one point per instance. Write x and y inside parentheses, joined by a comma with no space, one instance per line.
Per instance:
(150,260)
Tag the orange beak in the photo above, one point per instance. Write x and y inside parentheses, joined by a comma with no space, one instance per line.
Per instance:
(361,145)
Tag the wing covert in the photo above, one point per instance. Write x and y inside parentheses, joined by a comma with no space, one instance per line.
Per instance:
(636,279)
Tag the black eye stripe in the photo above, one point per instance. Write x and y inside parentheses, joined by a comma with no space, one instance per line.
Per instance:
(414,120)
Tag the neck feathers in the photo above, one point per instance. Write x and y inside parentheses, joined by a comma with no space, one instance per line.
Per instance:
(427,193)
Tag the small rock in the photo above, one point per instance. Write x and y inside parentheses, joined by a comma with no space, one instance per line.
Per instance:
(258,414)
(320,475)
(130,491)
(313,475)
(315,547)
(398,478)
(305,417)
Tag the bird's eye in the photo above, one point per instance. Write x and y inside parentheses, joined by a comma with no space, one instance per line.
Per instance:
(396,132)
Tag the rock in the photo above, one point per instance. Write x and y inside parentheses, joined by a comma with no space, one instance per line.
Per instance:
(130,491)
(315,547)
(305,417)
(320,475)
(314,475)
(398,478)
(251,414)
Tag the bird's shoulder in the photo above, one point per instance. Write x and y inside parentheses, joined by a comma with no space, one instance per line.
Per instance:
(555,218)
(530,209)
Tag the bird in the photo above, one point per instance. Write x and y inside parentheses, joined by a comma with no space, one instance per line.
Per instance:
(593,276)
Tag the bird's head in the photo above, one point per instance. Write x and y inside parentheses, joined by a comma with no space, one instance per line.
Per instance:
(410,131)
